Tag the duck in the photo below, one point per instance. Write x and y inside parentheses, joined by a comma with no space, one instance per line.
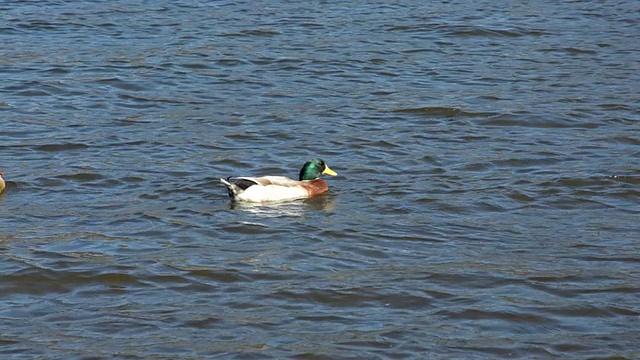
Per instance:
(2,184)
(280,188)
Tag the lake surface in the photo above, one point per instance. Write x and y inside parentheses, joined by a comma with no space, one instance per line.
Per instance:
(487,203)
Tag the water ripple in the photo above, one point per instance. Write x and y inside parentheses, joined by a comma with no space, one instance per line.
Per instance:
(487,199)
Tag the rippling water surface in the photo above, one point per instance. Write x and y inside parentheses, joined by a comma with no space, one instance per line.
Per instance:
(487,206)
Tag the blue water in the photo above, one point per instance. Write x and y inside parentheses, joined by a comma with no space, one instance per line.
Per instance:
(487,201)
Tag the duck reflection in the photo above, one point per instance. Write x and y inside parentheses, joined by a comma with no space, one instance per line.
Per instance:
(295,208)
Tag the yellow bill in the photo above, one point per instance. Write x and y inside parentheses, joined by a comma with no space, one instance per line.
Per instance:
(328,171)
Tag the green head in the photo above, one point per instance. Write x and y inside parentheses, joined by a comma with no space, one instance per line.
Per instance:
(312,170)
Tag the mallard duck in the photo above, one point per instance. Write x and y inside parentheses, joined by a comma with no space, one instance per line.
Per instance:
(280,188)
(2,184)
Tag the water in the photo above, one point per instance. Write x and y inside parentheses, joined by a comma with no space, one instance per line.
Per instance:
(487,204)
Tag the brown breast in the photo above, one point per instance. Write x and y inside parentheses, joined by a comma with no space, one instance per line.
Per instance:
(315,187)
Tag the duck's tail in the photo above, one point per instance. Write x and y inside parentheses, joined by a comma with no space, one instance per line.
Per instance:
(233,189)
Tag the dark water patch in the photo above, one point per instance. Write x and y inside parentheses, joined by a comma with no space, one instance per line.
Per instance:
(378,144)
(195,66)
(62,147)
(626,140)
(613,106)
(511,317)
(568,50)
(140,102)
(132,179)
(249,135)
(31,93)
(36,281)
(442,112)
(527,162)
(247,228)
(591,311)
(599,182)
(412,28)
(261,32)
(559,290)
(463,30)
(49,182)
(39,25)
(149,196)
(230,62)
(225,275)
(490,207)
(10,30)
(81,177)
(570,203)
(610,258)
(121,84)
(477,167)
(631,179)
(254,32)
(533,121)
(521,197)
(353,297)
(283,63)
(56,70)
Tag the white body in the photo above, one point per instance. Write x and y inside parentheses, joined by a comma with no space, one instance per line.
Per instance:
(278,188)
